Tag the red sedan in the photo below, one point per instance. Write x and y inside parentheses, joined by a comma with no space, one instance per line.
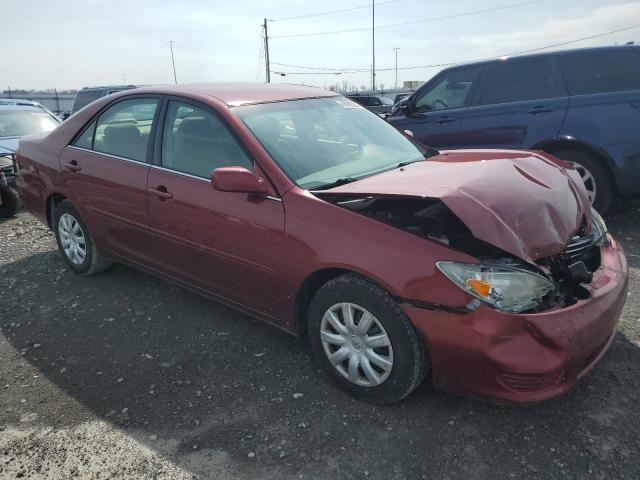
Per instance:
(486,269)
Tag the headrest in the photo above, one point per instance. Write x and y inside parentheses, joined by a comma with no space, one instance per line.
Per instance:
(122,132)
(195,126)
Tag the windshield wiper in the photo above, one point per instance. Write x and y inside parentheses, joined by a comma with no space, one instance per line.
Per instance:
(408,162)
(337,183)
(431,152)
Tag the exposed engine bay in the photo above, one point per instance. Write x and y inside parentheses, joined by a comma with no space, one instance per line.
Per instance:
(432,219)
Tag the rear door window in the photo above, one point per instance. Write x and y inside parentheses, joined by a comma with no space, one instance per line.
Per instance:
(601,71)
(123,129)
(521,80)
(85,140)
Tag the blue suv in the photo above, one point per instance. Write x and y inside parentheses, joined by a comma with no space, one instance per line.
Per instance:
(580,105)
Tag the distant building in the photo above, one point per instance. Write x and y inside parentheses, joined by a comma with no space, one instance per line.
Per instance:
(412,84)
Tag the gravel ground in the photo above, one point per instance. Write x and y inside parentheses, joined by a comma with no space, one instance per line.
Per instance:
(125,376)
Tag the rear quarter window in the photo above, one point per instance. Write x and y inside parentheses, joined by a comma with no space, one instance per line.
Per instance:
(601,71)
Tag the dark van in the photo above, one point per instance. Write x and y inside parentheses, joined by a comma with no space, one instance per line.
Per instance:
(580,105)
(88,94)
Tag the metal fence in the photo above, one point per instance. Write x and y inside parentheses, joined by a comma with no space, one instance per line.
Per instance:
(56,102)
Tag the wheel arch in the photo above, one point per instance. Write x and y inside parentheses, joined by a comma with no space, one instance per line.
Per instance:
(571,143)
(53,200)
(314,282)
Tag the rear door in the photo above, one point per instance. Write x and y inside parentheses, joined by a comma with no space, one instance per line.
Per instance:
(229,244)
(438,107)
(105,170)
(519,103)
(605,106)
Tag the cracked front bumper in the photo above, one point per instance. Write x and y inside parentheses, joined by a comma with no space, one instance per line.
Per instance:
(524,358)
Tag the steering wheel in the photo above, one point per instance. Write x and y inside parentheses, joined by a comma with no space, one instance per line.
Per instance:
(290,158)
(347,157)
(441,102)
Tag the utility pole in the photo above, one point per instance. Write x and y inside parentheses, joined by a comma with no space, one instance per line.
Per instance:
(396,50)
(266,52)
(173,62)
(373,36)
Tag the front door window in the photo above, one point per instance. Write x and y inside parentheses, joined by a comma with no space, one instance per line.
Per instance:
(450,91)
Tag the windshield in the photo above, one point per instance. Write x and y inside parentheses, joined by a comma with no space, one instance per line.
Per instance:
(319,141)
(386,101)
(16,123)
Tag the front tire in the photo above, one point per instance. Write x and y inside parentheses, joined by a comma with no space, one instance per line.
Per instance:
(75,243)
(9,203)
(359,334)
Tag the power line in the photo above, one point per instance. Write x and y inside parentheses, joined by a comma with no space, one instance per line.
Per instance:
(330,12)
(282,74)
(314,68)
(448,64)
(413,22)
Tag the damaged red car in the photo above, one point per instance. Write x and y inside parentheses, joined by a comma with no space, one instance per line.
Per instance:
(486,270)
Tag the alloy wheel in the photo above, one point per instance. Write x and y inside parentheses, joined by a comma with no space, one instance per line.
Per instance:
(356,344)
(589,181)
(72,239)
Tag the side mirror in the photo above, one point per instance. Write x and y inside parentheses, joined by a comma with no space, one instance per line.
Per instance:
(237,179)
(407,104)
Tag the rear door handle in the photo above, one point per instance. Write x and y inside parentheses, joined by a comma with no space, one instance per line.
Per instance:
(635,104)
(161,192)
(72,166)
(539,109)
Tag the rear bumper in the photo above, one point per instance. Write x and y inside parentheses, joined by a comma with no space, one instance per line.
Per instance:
(530,357)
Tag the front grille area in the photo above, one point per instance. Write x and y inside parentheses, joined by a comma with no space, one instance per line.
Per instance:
(580,246)
(529,382)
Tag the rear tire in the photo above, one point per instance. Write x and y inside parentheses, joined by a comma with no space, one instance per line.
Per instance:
(9,205)
(595,175)
(388,359)
(75,243)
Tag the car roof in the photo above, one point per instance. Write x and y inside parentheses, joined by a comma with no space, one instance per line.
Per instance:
(17,102)
(12,103)
(107,87)
(236,94)
(545,54)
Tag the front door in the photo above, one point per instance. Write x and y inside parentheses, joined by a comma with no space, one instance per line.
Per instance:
(105,170)
(519,103)
(437,109)
(229,244)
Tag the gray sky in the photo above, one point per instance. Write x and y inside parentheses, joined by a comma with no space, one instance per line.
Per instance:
(75,43)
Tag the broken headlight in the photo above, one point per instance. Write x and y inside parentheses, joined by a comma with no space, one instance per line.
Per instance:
(505,288)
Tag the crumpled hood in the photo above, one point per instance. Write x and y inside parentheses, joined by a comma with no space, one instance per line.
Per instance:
(526,203)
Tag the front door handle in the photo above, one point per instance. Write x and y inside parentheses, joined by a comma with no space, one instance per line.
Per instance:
(72,166)
(443,120)
(539,109)
(161,192)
